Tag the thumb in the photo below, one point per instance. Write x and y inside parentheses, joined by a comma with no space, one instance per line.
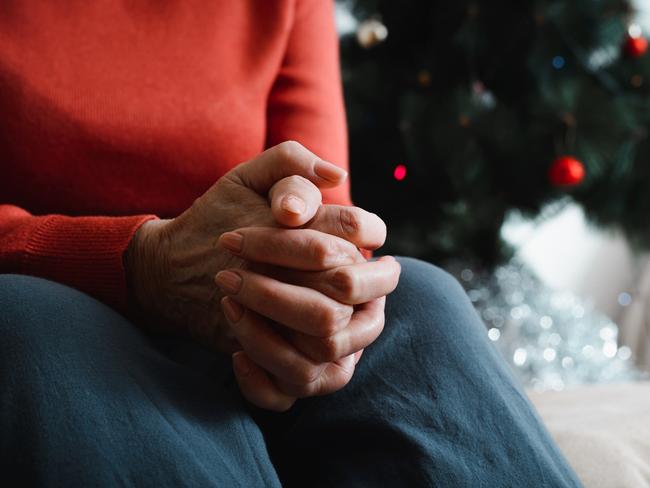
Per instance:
(294,201)
(287,159)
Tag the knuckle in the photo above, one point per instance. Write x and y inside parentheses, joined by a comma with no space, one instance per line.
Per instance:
(329,349)
(267,295)
(306,375)
(329,319)
(287,150)
(350,222)
(295,180)
(197,203)
(299,372)
(341,380)
(320,250)
(336,252)
(346,282)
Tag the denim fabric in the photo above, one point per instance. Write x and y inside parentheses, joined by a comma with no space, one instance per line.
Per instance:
(87,399)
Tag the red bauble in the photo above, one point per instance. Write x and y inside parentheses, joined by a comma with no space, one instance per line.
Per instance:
(566,171)
(635,47)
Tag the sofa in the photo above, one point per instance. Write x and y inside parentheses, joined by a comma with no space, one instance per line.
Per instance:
(604,431)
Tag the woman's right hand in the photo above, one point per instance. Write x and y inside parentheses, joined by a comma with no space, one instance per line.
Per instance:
(171,264)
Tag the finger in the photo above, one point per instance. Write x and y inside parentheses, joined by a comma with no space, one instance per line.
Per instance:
(352,284)
(267,348)
(294,201)
(364,229)
(257,387)
(334,377)
(304,249)
(365,326)
(297,307)
(357,356)
(286,159)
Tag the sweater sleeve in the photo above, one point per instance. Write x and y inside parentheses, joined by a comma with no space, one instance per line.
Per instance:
(81,252)
(306,101)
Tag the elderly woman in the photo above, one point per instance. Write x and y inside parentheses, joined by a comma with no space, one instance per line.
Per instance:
(140,259)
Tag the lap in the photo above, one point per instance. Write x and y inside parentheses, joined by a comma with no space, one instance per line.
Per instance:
(431,402)
(87,398)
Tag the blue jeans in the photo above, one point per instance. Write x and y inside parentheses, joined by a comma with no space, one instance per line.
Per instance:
(88,399)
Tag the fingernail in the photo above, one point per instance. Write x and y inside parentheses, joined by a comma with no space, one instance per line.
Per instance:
(229,282)
(231,309)
(241,364)
(293,204)
(232,241)
(329,171)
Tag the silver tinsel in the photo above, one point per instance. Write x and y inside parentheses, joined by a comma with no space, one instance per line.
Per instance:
(551,339)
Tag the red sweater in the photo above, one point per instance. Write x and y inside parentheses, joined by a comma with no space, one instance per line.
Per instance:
(112,112)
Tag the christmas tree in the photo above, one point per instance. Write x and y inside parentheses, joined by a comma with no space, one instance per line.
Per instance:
(462,111)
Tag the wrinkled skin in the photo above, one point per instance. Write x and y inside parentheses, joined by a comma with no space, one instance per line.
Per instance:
(172,265)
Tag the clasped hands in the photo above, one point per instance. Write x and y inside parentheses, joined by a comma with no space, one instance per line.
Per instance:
(300,302)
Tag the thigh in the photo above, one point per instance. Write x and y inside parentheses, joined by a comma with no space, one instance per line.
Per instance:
(87,400)
(431,404)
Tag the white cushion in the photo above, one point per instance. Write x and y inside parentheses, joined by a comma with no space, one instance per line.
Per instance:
(603,430)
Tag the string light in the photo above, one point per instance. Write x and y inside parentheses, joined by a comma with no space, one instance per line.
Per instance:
(400,172)
(624,299)
(634,31)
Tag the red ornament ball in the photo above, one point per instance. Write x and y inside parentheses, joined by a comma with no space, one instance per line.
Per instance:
(635,47)
(566,171)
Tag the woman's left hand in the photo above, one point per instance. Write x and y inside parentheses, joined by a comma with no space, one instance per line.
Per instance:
(301,320)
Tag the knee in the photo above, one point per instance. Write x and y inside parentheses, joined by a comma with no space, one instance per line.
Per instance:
(430,304)
(425,285)
(41,317)
(29,306)
(23,300)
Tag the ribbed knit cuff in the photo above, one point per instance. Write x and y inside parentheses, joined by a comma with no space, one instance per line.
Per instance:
(83,252)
